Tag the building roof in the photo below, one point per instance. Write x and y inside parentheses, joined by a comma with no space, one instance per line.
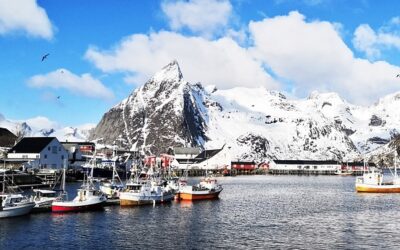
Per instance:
(78,143)
(243,162)
(207,154)
(7,139)
(187,151)
(359,163)
(31,145)
(306,162)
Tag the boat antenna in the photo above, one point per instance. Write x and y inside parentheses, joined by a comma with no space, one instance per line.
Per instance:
(395,164)
(63,178)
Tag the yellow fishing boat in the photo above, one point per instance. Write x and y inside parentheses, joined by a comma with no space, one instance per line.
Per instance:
(372,182)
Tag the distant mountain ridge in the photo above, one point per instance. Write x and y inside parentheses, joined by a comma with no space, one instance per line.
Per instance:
(252,123)
(255,124)
(41,126)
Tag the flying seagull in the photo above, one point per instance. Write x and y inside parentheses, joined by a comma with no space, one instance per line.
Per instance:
(58,97)
(45,56)
(398,75)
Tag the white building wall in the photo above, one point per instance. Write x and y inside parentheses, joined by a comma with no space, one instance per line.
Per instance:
(218,161)
(23,156)
(313,167)
(53,155)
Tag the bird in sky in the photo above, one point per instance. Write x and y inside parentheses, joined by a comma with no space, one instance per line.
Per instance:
(45,56)
(398,75)
(58,97)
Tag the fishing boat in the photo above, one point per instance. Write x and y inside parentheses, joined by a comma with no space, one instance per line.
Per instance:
(114,187)
(341,172)
(144,188)
(88,198)
(372,181)
(43,199)
(144,192)
(208,188)
(12,204)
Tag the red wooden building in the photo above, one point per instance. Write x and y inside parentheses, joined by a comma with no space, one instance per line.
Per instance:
(243,165)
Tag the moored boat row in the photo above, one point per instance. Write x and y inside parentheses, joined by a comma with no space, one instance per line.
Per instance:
(143,188)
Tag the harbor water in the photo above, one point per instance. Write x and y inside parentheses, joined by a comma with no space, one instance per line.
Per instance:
(264,212)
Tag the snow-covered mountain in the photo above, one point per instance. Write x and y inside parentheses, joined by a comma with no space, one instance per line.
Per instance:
(164,112)
(42,126)
(254,124)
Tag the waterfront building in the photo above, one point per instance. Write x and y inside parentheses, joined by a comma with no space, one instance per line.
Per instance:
(211,159)
(304,167)
(39,152)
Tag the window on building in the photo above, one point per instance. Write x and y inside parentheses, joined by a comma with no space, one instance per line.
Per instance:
(62,157)
(48,148)
(24,156)
(45,156)
(54,149)
(59,148)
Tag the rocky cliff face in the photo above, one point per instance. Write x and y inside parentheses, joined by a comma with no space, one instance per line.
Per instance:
(165,112)
(254,124)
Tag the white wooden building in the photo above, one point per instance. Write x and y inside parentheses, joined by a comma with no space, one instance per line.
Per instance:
(304,166)
(208,159)
(40,152)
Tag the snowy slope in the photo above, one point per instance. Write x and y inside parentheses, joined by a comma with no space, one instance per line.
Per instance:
(254,124)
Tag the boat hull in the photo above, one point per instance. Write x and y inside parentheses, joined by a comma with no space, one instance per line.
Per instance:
(59,207)
(198,195)
(127,200)
(369,188)
(17,210)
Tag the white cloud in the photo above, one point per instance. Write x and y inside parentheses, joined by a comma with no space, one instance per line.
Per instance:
(41,122)
(307,55)
(313,56)
(25,16)
(84,85)
(204,17)
(372,43)
(220,62)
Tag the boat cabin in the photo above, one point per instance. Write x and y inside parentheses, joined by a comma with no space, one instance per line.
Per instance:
(135,187)
(39,193)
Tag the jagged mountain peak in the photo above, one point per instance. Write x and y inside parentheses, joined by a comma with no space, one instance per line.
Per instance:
(326,96)
(170,72)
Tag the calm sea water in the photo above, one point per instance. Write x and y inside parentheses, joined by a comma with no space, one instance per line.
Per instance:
(264,212)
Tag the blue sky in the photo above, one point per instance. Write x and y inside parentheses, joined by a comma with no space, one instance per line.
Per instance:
(100,51)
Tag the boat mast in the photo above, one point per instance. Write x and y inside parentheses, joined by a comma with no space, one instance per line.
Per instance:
(63,177)
(395,164)
(4,181)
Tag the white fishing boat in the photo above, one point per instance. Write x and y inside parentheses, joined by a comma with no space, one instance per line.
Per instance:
(12,204)
(88,198)
(43,198)
(113,188)
(208,188)
(145,192)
